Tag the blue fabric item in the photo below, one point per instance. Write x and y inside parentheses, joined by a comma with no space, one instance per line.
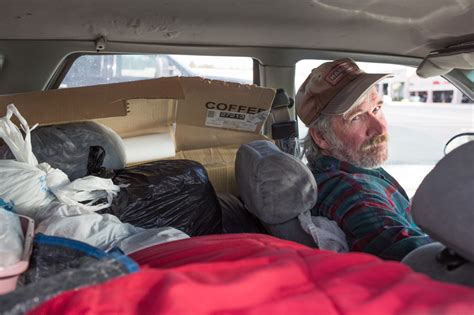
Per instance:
(87,250)
(59,264)
(9,206)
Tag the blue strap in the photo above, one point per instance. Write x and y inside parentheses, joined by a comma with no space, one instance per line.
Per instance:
(87,250)
(9,206)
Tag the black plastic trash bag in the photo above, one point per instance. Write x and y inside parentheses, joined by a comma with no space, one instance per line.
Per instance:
(58,264)
(95,161)
(66,147)
(175,193)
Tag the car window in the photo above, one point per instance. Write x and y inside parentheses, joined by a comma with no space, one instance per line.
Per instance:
(95,69)
(422,115)
(469,74)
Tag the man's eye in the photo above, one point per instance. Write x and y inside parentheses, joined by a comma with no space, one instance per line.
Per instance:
(355,118)
(376,109)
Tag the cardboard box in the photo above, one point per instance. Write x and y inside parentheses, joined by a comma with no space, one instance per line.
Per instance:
(208,119)
(219,163)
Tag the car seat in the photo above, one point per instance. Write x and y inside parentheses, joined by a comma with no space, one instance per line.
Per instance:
(443,207)
(281,191)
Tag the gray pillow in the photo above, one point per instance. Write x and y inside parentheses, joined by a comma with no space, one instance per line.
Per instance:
(274,185)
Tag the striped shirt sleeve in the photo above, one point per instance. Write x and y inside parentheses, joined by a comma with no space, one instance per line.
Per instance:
(374,216)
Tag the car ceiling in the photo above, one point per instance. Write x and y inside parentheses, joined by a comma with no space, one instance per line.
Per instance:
(401,27)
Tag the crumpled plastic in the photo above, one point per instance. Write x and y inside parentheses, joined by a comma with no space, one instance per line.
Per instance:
(58,265)
(11,237)
(174,193)
(99,230)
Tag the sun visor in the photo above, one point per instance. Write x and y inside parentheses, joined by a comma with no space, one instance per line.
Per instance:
(442,62)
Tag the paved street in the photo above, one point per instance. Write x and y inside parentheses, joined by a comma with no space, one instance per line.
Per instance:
(418,132)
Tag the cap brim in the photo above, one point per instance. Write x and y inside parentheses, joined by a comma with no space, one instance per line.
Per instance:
(347,97)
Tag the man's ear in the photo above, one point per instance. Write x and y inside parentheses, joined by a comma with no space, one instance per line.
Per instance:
(318,139)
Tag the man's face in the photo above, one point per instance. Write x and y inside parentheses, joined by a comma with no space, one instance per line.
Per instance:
(361,133)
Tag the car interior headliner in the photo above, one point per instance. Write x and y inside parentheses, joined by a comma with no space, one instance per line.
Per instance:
(402,27)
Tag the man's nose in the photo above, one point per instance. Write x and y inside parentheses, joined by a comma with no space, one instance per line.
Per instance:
(378,126)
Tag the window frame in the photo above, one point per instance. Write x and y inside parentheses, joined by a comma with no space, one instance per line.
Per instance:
(65,66)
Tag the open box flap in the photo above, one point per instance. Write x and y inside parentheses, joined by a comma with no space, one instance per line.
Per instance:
(84,103)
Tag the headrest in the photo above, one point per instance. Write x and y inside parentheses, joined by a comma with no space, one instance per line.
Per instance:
(260,167)
(443,204)
(281,191)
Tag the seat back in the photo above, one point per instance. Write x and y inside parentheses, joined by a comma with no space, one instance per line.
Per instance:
(443,205)
(443,208)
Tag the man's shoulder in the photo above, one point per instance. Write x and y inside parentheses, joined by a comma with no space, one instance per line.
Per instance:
(336,177)
(358,187)
(328,168)
(342,176)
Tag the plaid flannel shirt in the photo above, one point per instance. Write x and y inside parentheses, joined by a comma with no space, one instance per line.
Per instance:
(369,206)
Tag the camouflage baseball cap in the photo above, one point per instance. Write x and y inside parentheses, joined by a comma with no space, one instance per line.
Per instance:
(333,88)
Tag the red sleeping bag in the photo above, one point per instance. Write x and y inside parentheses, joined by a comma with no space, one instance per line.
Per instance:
(260,274)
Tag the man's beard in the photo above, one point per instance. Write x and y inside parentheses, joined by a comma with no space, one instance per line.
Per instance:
(371,154)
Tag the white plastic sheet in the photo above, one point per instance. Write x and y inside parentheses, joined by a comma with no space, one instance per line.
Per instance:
(11,238)
(149,237)
(89,188)
(99,230)
(104,231)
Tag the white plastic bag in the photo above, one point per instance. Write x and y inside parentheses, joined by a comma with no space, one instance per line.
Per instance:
(24,186)
(99,230)
(11,238)
(89,188)
(9,132)
(32,187)
(149,237)
(104,231)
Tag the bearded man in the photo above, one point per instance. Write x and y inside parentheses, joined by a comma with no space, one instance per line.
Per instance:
(345,147)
